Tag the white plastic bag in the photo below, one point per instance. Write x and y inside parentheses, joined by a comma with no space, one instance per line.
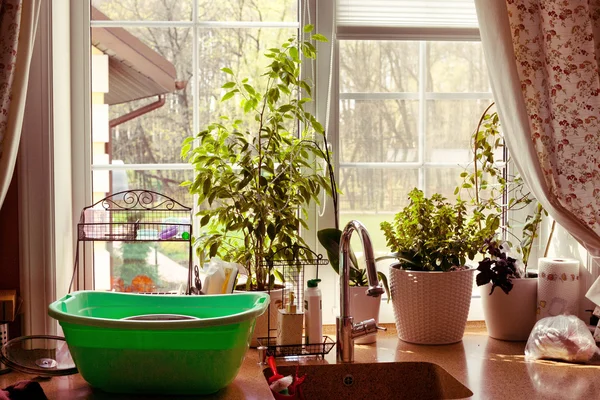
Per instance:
(563,337)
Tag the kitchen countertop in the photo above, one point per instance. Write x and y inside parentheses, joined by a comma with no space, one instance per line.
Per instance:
(491,369)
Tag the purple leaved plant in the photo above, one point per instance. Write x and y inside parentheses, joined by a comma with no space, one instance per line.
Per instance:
(498,268)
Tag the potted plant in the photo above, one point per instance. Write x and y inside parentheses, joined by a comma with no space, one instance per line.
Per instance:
(362,306)
(255,177)
(431,284)
(493,190)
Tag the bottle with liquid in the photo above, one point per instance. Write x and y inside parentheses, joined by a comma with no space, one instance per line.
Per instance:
(313,318)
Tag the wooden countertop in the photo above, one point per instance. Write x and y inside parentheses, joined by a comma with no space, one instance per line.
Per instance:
(491,369)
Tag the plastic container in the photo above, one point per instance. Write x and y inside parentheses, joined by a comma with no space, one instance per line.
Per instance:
(180,345)
(313,317)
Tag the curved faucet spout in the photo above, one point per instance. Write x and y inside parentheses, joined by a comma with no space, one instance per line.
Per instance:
(347,331)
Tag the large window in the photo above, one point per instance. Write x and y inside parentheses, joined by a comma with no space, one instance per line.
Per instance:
(156,79)
(404,108)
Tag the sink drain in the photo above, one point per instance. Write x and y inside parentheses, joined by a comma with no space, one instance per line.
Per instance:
(348,380)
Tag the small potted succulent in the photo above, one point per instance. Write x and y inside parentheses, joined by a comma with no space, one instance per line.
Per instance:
(511,312)
(431,284)
(362,307)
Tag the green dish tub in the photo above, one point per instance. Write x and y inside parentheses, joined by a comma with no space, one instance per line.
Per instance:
(160,344)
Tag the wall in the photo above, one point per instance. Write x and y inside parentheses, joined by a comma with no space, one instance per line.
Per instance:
(9,247)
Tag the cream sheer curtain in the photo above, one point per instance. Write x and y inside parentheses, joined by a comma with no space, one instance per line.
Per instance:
(18,21)
(543,61)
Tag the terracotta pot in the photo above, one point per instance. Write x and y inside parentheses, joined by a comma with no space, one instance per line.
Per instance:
(510,316)
(363,307)
(431,307)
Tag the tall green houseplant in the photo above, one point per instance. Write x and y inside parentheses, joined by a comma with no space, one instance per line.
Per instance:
(254,180)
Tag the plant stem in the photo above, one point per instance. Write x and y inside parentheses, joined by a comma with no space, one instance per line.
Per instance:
(549,238)
(476,182)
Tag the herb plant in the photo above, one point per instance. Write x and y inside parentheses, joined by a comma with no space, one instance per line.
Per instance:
(433,234)
(255,180)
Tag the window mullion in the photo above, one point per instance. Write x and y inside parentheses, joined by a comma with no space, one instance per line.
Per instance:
(422,125)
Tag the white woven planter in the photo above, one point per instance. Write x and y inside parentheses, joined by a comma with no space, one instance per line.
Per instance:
(431,307)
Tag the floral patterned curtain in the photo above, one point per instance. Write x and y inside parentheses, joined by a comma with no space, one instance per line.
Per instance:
(543,57)
(18,20)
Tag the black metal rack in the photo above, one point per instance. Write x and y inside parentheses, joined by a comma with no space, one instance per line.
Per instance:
(136,216)
(293,274)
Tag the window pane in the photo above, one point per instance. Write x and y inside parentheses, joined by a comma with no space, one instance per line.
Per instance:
(142,266)
(242,51)
(378,66)
(145,10)
(374,195)
(242,10)
(167,182)
(443,180)
(375,190)
(450,124)
(456,67)
(149,130)
(378,131)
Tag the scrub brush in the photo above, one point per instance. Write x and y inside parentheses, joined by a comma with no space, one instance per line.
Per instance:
(281,385)
(276,376)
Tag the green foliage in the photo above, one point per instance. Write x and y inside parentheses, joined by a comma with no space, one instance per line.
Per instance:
(495,192)
(255,180)
(330,240)
(432,234)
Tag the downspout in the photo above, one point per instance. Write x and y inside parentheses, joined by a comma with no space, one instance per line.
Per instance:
(137,112)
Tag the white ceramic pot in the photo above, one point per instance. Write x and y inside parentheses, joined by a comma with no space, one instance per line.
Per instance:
(363,307)
(431,307)
(510,316)
(261,329)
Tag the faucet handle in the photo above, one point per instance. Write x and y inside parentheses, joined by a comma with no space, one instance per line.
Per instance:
(381,328)
(364,328)
(375,291)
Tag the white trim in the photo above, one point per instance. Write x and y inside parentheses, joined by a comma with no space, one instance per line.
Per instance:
(36,191)
(81,123)
(415,96)
(142,167)
(189,24)
(62,148)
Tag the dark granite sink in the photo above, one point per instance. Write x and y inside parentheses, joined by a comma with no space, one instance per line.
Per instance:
(395,380)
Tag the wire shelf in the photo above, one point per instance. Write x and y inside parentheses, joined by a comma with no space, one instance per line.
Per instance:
(136,216)
(293,350)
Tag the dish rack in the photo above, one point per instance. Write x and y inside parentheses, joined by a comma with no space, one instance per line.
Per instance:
(135,216)
(293,274)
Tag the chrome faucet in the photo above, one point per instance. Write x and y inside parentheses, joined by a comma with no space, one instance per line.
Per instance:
(347,331)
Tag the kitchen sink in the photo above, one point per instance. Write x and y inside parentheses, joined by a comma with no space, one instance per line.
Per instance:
(391,380)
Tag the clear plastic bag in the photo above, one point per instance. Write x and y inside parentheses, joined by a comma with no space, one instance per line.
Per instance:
(563,337)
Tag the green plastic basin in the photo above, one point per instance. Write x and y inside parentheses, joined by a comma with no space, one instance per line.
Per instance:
(195,345)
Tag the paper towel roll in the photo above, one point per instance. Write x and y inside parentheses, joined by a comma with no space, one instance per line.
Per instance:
(558,286)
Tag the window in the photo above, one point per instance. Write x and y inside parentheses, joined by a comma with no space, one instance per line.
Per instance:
(156,79)
(411,85)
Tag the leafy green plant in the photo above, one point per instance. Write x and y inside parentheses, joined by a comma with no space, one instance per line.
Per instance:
(494,191)
(433,234)
(254,180)
(330,240)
